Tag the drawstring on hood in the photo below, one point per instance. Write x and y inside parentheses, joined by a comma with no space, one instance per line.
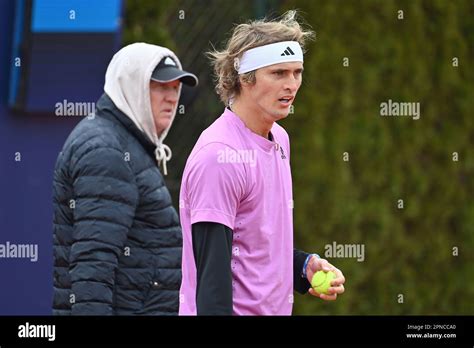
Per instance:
(127,83)
(163,153)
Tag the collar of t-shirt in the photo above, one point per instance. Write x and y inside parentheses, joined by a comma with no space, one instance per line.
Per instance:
(264,143)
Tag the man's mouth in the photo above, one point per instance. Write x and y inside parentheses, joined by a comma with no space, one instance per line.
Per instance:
(286,100)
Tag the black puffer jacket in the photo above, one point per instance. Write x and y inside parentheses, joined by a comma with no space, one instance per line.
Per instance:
(117,238)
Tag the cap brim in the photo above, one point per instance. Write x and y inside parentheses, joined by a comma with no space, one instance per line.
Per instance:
(171,74)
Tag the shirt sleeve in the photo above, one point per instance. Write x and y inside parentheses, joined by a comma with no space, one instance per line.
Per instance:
(212,246)
(300,284)
(215,185)
(106,197)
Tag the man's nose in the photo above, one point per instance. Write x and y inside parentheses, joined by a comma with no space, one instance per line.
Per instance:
(172,96)
(292,83)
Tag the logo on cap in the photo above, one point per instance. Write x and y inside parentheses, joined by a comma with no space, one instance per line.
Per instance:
(288,52)
(169,61)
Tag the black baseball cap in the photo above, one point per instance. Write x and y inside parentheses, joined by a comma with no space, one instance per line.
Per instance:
(167,70)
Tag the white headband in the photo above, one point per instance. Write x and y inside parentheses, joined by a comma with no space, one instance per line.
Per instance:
(259,57)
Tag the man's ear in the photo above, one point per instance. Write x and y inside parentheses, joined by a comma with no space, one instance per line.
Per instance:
(244,83)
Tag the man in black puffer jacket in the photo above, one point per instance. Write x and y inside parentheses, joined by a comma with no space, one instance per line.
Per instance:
(117,238)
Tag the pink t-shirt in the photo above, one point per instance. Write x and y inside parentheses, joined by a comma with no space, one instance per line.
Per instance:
(242,180)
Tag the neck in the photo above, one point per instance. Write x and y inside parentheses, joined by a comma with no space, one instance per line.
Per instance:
(252,119)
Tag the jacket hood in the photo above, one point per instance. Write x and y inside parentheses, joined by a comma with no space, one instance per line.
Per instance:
(127,83)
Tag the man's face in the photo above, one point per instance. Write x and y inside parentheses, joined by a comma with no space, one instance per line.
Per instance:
(275,89)
(164,98)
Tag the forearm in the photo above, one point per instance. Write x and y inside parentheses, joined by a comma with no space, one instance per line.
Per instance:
(212,246)
(92,271)
(91,288)
(300,284)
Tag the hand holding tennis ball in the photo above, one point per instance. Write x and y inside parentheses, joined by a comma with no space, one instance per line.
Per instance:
(327,281)
(321,281)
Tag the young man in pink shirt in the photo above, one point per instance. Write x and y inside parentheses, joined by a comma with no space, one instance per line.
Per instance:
(236,202)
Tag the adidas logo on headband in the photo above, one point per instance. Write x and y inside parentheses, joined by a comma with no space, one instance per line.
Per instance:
(262,56)
(288,52)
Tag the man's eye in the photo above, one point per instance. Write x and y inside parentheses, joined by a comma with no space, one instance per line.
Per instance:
(279,73)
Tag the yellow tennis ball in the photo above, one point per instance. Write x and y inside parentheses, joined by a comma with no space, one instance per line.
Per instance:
(321,281)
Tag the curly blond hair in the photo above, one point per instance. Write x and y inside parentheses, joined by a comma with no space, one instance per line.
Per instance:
(250,35)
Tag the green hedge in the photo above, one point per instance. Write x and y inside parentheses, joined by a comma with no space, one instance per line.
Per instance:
(408,251)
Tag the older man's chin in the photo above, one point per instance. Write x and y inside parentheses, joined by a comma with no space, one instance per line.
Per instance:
(160,127)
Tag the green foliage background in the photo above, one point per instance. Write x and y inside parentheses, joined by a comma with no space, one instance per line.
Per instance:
(408,251)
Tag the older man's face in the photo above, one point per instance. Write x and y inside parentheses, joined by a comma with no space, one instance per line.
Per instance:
(164,98)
